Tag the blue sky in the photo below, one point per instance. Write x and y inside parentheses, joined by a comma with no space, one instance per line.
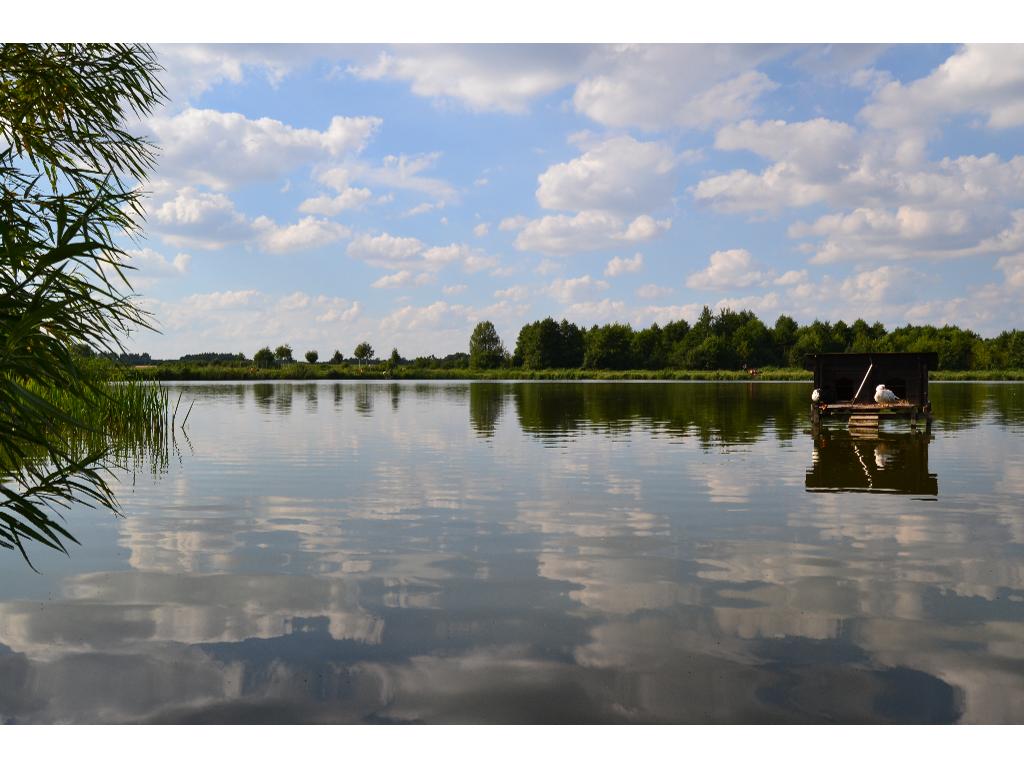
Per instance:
(323,195)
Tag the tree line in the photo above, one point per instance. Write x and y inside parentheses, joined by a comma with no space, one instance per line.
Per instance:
(729,340)
(726,340)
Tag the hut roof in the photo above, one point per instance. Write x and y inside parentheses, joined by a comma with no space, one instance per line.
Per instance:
(930,359)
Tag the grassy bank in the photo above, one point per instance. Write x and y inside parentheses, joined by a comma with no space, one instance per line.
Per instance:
(306,371)
(301,371)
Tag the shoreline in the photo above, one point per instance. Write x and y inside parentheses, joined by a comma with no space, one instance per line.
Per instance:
(320,372)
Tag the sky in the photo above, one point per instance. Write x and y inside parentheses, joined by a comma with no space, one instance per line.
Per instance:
(322,195)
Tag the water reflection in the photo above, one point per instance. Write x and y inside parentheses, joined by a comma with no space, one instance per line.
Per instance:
(879,462)
(495,552)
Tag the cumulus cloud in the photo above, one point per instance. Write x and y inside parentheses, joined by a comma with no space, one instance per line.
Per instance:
(620,266)
(151,265)
(385,250)
(655,87)
(652,291)
(1012,268)
(192,69)
(573,289)
(399,279)
(978,79)
(401,172)
(350,198)
(454,290)
(248,319)
(586,231)
(305,234)
(411,254)
(481,77)
(480,230)
(226,149)
(513,292)
(910,232)
(726,270)
(620,174)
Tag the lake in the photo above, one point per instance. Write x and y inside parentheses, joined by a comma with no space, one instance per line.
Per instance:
(537,552)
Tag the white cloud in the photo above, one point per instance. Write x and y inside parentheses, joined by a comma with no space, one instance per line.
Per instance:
(483,78)
(403,172)
(422,208)
(481,229)
(151,265)
(547,266)
(1013,270)
(400,278)
(190,70)
(351,198)
(977,79)
(309,232)
(293,301)
(586,231)
(573,289)
(652,291)
(209,220)
(791,277)
(226,149)
(512,223)
(188,216)
(814,149)
(620,174)
(656,87)
(620,266)
(513,292)
(454,290)
(591,312)
(385,250)
(409,253)
(910,232)
(726,269)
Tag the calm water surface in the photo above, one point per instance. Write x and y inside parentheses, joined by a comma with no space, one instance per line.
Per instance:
(541,552)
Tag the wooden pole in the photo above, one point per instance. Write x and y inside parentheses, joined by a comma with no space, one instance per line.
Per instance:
(863,382)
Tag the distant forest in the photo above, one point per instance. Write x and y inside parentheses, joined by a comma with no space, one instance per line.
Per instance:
(726,340)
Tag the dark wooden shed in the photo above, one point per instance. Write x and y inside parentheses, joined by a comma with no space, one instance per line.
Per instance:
(847,381)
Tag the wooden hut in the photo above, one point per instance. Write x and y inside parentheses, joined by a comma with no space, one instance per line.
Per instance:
(847,381)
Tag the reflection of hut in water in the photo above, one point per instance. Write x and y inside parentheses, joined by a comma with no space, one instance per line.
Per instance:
(847,381)
(883,462)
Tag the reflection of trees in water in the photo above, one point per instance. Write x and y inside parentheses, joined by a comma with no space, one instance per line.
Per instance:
(715,413)
(486,404)
(396,395)
(312,397)
(364,394)
(263,396)
(337,391)
(958,405)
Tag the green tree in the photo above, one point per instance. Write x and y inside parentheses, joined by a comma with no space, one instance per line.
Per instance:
(283,354)
(71,178)
(485,347)
(337,358)
(395,360)
(312,356)
(609,347)
(263,358)
(363,352)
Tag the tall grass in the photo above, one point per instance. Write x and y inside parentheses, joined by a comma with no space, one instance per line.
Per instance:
(110,425)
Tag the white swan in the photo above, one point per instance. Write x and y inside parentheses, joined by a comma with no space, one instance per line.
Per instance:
(883,395)
(816,396)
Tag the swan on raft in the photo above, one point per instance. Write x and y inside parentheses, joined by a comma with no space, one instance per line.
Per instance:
(883,395)
(816,396)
